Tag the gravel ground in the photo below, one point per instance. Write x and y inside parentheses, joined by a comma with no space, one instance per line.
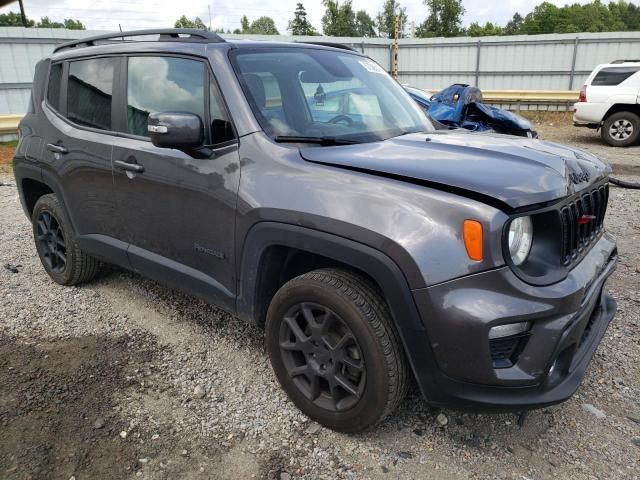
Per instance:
(123,377)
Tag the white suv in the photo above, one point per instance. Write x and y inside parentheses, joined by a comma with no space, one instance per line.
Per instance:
(610,100)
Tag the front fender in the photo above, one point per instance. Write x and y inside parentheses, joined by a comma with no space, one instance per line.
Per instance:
(374,263)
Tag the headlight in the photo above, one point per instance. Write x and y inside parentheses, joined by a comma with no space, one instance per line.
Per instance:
(520,238)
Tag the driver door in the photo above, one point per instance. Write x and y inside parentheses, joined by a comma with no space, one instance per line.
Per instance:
(178,211)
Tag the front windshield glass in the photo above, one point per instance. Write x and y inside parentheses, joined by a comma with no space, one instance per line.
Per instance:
(313,93)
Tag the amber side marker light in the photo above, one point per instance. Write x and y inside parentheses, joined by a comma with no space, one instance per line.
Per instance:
(472,234)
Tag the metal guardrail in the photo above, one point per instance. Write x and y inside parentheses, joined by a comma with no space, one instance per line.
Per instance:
(515,99)
(538,96)
(9,123)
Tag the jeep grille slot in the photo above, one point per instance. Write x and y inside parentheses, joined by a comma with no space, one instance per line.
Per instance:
(582,220)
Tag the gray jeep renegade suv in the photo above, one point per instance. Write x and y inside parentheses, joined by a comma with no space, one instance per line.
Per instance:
(299,187)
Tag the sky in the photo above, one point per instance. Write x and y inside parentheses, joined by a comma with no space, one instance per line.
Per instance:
(133,14)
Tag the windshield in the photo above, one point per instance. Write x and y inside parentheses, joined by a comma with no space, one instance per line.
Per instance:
(307,94)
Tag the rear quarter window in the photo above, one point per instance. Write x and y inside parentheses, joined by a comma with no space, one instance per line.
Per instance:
(611,76)
(53,89)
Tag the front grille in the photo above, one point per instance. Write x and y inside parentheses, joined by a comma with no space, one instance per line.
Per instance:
(577,234)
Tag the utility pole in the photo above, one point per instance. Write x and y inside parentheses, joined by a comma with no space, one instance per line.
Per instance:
(413,29)
(24,17)
(396,49)
(209,8)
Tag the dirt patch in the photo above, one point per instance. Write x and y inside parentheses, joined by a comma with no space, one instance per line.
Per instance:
(57,410)
(7,151)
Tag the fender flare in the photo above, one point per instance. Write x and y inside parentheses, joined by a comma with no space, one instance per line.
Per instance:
(362,257)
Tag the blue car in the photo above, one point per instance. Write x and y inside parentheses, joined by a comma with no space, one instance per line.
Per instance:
(460,106)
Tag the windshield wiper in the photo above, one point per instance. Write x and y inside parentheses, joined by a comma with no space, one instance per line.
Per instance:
(325,141)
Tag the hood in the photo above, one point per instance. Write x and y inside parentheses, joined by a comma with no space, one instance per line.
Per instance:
(515,171)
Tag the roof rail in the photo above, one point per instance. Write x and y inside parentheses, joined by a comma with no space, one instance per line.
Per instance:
(330,44)
(165,34)
(625,61)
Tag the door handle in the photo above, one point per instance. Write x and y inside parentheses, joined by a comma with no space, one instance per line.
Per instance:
(130,167)
(56,148)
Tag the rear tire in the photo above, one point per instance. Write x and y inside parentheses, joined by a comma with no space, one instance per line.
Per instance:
(335,350)
(57,247)
(621,129)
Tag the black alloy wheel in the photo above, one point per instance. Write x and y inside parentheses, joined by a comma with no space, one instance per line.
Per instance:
(52,242)
(335,350)
(57,246)
(322,356)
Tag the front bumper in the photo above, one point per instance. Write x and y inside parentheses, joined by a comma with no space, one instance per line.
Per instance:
(568,321)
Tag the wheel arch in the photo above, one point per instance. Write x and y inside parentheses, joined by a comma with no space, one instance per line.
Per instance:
(622,107)
(272,238)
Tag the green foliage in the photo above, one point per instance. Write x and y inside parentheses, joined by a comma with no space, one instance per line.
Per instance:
(488,29)
(13,19)
(184,22)
(300,25)
(514,26)
(590,17)
(244,25)
(260,26)
(444,20)
(46,23)
(264,26)
(386,19)
(71,24)
(365,26)
(339,20)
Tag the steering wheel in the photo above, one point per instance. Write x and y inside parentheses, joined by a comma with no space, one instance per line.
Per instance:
(341,118)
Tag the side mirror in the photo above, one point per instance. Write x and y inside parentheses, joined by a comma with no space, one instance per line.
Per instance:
(182,131)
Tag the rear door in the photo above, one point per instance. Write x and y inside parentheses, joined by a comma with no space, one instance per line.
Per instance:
(78,142)
(178,211)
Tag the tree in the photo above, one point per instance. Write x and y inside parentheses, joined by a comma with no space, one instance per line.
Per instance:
(444,20)
(12,19)
(264,26)
(46,23)
(386,19)
(514,26)
(71,24)
(300,25)
(244,25)
(488,29)
(365,26)
(184,22)
(339,20)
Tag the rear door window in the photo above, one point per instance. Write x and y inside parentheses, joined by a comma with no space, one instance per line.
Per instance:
(613,75)
(90,92)
(162,84)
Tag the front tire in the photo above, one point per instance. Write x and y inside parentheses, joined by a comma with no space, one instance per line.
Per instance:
(335,350)
(57,247)
(621,129)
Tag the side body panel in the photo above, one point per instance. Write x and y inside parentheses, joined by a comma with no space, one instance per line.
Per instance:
(180,215)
